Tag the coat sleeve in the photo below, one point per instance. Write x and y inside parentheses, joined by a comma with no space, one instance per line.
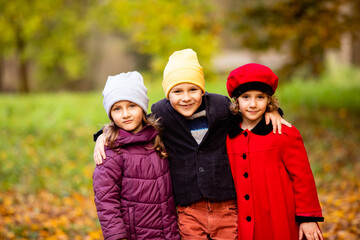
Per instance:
(97,134)
(157,108)
(294,156)
(107,180)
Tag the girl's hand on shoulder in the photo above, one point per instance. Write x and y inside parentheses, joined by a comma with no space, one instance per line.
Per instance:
(99,151)
(311,231)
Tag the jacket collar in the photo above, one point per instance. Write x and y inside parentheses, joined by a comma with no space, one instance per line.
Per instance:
(181,119)
(145,135)
(260,129)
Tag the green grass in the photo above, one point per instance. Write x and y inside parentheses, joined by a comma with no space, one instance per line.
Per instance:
(46,139)
(336,89)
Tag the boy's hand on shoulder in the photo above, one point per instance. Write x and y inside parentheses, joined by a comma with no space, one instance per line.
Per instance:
(283,121)
(276,121)
(99,150)
(310,230)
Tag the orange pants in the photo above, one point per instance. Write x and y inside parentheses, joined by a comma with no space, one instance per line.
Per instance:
(206,219)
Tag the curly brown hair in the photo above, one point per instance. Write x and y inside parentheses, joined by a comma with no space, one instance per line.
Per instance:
(273,104)
(111,132)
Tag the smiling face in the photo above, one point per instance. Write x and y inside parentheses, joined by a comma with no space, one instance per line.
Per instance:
(185,98)
(127,116)
(252,105)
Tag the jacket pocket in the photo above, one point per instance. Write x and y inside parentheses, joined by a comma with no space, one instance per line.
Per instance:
(181,209)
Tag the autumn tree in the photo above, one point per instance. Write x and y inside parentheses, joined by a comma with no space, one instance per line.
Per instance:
(46,34)
(52,37)
(157,28)
(305,29)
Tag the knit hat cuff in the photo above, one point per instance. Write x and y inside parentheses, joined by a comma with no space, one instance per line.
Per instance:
(130,95)
(183,75)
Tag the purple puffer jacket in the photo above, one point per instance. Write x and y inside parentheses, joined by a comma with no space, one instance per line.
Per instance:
(133,190)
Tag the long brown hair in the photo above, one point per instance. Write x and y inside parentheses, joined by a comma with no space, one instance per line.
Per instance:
(111,132)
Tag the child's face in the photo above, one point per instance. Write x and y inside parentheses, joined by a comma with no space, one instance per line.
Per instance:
(185,98)
(253,105)
(127,115)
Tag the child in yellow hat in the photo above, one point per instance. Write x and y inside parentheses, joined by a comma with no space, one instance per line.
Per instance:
(195,128)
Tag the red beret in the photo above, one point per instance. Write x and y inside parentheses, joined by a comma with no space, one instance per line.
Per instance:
(251,76)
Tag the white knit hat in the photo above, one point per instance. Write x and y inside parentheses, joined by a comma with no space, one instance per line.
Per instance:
(125,87)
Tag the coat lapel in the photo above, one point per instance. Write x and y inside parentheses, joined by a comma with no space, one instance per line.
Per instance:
(180,118)
(260,129)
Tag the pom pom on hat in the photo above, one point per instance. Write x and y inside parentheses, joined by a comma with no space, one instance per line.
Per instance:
(251,76)
(183,67)
(125,87)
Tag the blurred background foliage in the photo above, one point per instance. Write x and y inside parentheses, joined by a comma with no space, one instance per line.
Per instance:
(60,53)
(55,44)
(306,30)
(58,45)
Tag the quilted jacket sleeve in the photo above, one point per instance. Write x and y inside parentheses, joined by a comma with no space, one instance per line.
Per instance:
(295,159)
(107,180)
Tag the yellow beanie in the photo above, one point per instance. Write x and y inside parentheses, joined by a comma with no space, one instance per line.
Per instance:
(183,67)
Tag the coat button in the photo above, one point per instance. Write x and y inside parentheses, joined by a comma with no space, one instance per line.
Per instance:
(248,218)
(244,156)
(245,134)
(246,175)
(247,197)
(201,169)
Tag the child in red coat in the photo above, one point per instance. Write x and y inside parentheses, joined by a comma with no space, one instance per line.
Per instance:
(275,188)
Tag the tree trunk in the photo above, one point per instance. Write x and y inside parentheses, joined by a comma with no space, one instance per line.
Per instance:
(23,64)
(1,74)
(23,73)
(356,49)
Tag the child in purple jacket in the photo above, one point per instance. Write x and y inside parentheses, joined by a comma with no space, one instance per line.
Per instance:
(133,189)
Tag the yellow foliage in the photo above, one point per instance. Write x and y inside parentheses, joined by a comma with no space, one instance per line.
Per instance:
(74,217)
(341,208)
(48,217)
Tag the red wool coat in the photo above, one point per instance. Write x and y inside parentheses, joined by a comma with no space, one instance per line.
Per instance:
(274,184)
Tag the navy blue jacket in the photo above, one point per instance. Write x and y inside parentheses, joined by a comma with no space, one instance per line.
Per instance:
(202,170)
